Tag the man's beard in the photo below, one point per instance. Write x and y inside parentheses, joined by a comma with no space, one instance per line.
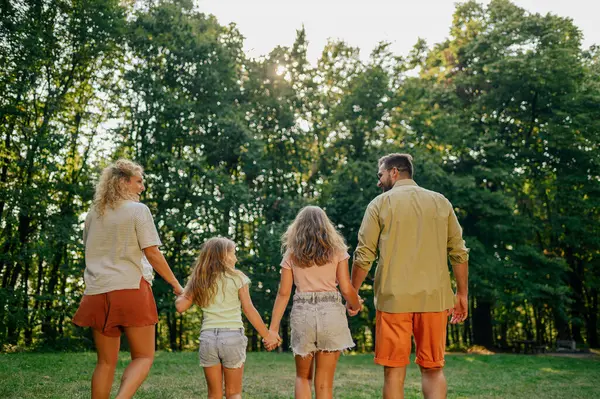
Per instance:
(387,186)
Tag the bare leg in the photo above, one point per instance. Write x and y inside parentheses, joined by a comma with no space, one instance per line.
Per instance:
(107,349)
(233,382)
(325,364)
(214,381)
(393,382)
(304,376)
(433,383)
(141,343)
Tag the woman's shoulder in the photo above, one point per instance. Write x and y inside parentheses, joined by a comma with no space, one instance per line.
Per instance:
(92,213)
(138,210)
(134,205)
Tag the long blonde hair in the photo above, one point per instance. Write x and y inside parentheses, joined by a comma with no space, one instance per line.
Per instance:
(208,267)
(312,239)
(111,187)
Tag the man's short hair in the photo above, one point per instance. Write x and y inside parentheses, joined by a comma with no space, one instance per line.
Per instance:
(402,162)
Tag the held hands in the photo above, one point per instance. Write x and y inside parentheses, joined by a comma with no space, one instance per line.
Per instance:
(272,341)
(460,310)
(177,288)
(353,312)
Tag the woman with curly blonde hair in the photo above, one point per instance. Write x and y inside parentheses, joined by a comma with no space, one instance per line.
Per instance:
(121,248)
(315,260)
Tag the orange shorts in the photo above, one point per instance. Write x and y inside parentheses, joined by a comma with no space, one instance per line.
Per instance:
(393,332)
(111,312)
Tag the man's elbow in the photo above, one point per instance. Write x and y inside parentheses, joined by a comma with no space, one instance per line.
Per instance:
(459,258)
(359,265)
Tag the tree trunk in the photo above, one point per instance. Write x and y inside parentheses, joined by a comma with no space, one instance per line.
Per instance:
(25,304)
(504,335)
(372,327)
(578,310)
(539,325)
(563,332)
(465,332)
(483,333)
(47,328)
(172,323)
(4,172)
(575,276)
(6,250)
(285,336)
(592,320)
(156,335)
(61,318)
(35,310)
(180,345)
(455,335)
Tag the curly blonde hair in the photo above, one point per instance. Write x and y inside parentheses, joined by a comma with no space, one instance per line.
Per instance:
(208,268)
(312,239)
(111,187)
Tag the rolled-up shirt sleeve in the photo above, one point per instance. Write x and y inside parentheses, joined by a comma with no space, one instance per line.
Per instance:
(368,238)
(457,249)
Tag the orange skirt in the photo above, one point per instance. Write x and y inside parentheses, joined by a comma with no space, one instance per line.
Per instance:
(111,312)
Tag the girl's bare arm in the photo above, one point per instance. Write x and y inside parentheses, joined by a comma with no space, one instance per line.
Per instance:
(348,291)
(283,296)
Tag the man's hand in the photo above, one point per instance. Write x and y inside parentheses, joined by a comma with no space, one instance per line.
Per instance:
(354,312)
(460,311)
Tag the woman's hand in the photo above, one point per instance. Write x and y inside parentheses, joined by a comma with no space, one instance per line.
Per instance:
(177,288)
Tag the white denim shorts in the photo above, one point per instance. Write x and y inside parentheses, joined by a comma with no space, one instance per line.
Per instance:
(319,323)
(226,346)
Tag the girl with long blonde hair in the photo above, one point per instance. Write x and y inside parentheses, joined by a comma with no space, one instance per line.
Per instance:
(222,293)
(121,248)
(315,260)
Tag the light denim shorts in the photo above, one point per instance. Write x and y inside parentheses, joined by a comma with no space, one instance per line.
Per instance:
(226,346)
(319,323)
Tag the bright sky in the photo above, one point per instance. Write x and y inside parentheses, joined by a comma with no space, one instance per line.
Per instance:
(268,23)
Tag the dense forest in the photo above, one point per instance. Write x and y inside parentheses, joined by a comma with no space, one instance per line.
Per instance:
(502,117)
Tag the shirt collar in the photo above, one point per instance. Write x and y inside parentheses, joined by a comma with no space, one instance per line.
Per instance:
(405,182)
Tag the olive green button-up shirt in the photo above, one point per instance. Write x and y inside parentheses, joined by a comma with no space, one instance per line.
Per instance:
(416,231)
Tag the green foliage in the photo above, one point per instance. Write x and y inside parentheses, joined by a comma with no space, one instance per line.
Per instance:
(501,118)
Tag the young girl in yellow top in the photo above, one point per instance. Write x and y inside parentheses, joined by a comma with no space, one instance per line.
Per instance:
(222,293)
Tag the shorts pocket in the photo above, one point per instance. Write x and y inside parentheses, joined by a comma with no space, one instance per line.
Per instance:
(333,331)
(333,317)
(232,349)
(207,351)
(298,317)
(233,339)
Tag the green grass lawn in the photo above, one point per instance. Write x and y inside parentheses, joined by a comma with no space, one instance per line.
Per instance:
(271,375)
